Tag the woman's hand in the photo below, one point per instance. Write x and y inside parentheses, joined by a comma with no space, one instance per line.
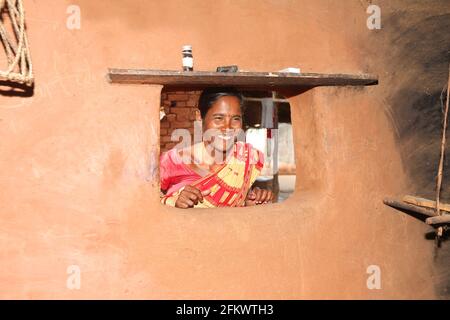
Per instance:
(258,196)
(190,196)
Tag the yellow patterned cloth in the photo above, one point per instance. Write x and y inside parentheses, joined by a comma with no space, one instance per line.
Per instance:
(230,183)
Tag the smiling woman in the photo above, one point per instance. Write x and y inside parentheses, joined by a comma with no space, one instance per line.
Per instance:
(220,169)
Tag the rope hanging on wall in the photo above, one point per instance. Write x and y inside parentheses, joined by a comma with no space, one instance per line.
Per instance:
(20,68)
(441,159)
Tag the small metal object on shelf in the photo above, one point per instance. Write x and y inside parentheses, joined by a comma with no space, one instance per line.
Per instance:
(233,68)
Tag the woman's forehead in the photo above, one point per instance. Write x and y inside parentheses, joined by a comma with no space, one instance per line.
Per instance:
(227,104)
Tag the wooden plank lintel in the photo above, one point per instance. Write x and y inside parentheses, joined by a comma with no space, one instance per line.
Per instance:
(272,80)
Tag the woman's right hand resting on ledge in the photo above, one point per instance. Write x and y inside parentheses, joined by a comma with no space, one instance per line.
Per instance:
(190,196)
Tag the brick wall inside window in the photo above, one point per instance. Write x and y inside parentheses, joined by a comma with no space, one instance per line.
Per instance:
(180,108)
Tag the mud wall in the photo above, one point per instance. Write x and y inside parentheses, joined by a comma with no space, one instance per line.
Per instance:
(79,162)
(413,49)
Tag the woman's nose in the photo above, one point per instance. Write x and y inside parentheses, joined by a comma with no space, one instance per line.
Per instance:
(227,124)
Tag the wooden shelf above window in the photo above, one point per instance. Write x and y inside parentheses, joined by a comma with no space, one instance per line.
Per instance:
(243,80)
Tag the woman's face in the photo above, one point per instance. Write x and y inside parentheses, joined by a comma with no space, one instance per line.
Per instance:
(222,123)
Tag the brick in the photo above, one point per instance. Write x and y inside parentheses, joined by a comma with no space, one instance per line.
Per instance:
(181,110)
(171,117)
(163,131)
(181,124)
(183,118)
(192,102)
(166,139)
(179,97)
(164,124)
(182,113)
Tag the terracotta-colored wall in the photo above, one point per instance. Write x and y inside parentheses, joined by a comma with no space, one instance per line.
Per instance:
(79,162)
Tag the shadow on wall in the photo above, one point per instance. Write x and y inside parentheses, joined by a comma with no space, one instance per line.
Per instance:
(422,61)
(12,89)
(417,46)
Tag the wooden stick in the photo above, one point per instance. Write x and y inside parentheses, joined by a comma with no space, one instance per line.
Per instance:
(441,159)
(445,218)
(398,204)
(422,202)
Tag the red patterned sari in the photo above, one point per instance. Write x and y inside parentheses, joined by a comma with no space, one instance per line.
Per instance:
(230,183)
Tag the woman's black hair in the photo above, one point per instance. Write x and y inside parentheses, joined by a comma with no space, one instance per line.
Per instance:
(211,95)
